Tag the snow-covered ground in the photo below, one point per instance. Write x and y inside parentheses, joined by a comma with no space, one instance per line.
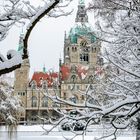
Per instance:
(36,132)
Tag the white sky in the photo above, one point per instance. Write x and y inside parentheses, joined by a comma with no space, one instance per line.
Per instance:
(46,40)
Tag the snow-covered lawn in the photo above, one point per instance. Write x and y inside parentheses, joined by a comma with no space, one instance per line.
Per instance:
(36,132)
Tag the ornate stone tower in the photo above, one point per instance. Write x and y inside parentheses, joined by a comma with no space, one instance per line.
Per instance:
(81,57)
(22,75)
(81,45)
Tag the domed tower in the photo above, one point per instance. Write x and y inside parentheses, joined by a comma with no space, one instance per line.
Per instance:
(81,57)
(81,45)
(22,74)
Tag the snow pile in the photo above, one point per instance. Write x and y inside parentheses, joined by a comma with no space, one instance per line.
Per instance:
(13,58)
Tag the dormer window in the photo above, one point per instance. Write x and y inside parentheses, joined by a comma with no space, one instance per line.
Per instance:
(44,85)
(33,85)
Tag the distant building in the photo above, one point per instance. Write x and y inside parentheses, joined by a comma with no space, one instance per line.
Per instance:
(81,66)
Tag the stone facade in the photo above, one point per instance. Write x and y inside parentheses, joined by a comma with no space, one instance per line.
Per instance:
(81,67)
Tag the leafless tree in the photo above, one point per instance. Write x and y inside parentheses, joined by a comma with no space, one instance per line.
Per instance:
(20,12)
(119,28)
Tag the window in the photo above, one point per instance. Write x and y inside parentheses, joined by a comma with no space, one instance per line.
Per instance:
(64,96)
(21,93)
(34,101)
(77,87)
(74,99)
(44,101)
(44,85)
(93,49)
(82,97)
(74,49)
(69,87)
(84,57)
(73,78)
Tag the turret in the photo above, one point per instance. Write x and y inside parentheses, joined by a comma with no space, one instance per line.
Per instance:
(21,74)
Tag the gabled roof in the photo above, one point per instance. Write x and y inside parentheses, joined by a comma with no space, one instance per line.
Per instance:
(81,71)
(38,77)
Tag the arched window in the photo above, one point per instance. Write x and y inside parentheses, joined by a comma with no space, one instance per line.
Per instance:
(44,101)
(93,49)
(84,57)
(34,101)
(44,85)
(68,49)
(64,96)
(73,78)
(74,49)
(74,99)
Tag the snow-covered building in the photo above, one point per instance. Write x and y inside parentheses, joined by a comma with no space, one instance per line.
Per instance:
(81,66)
(82,62)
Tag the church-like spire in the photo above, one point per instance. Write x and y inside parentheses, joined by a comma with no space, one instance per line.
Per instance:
(81,15)
(81,2)
(44,69)
(20,45)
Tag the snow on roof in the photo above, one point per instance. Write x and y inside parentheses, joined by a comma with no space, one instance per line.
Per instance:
(38,77)
(81,71)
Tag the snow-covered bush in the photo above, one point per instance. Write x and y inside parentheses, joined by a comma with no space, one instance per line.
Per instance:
(10,106)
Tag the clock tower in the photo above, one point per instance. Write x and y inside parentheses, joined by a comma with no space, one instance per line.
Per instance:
(81,57)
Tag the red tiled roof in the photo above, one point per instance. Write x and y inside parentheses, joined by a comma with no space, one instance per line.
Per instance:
(65,72)
(80,69)
(39,76)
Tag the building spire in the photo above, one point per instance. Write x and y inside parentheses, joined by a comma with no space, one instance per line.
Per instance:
(81,2)
(44,69)
(81,15)
(20,45)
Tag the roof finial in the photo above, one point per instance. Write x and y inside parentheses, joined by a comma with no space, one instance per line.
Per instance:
(44,69)
(81,2)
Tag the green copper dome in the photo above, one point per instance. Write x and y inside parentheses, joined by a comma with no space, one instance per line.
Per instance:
(81,30)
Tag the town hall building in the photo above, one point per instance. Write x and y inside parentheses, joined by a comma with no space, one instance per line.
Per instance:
(81,66)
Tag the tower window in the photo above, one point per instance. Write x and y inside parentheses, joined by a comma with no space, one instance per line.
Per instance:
(84,57)
(69,87)
(74,49)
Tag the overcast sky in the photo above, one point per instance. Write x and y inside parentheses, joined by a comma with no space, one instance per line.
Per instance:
(46,40)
